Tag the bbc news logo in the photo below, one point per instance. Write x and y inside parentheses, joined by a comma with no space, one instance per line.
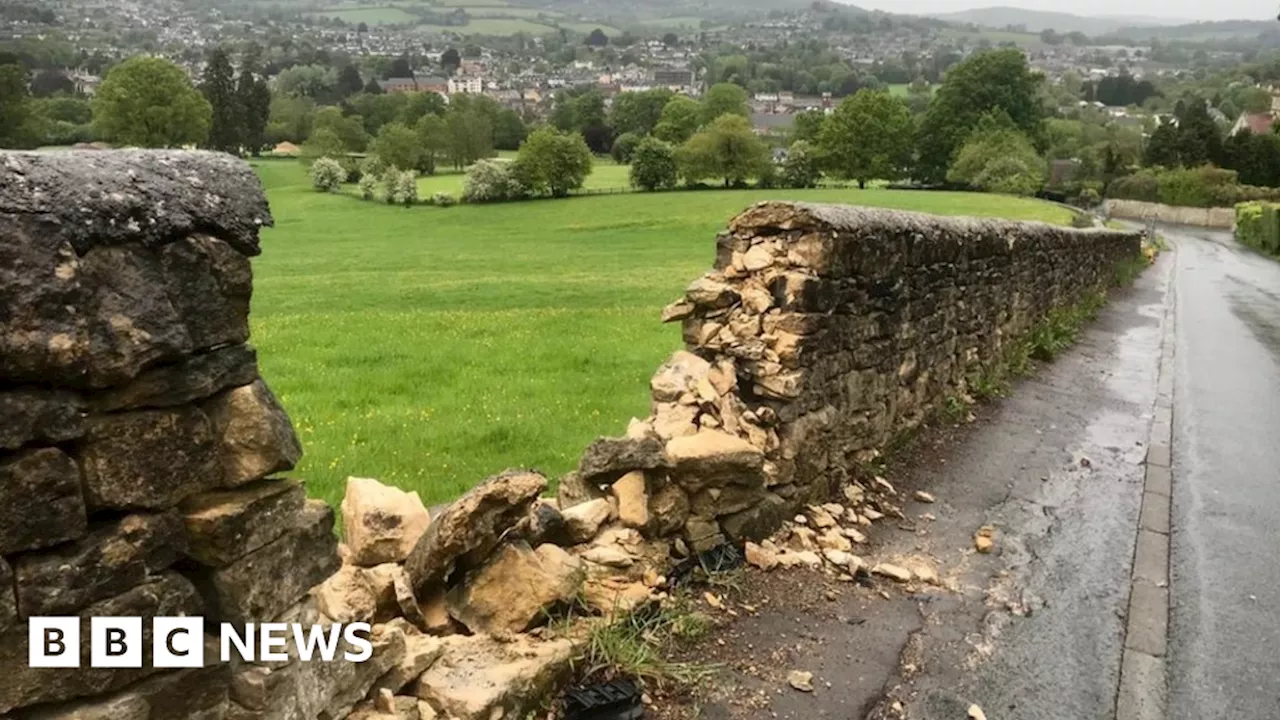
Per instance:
(178,642)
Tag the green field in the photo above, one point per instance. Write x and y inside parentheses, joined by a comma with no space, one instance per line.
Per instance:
(690,22)
(431,347)
(994,36)
(510,12)
(902,90)
(384,15)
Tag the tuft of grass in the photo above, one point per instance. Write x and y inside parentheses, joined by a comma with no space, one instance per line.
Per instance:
(632,645)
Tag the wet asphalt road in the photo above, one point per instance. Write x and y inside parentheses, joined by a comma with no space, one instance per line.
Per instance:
(1224,644)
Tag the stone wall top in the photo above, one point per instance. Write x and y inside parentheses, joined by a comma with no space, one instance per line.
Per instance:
(147,196)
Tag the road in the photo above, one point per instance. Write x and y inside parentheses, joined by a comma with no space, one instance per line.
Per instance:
(1099,602)
(1224,635)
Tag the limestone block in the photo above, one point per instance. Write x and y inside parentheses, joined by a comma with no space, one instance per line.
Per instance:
(40,500)
(346,596)
(254,434)
(193,378)
(148,458)
(39,415)
(209,284)
(381,524)
(464,534)
(8,599)
(582,522)
(225,525)
(114,556)
(515,590)
(607,459)
(711,458)
(262,584)
(479,678)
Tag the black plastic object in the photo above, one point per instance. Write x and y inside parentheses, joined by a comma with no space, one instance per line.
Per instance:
(613,700)
(720,558)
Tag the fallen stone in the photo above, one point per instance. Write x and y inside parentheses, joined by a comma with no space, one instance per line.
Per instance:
(255,436)
(393,708)
(381,523)
(420,651)
(614,597)
(607,459)
(148,459)
(712,458)
(296,562)
(819,517)
(702,534)
(924,573)
(330,689)
(479,678)
(674,420)
(760,557)
(855,535)
(839,558)
(464,534)
(924,497)
(382,583)
(677,376)
(833,539)
(975,713)
(893,572)
(983,544)
(39,415)
(346,596)
(872,515)
(802,558)
(760,521)
(608,556)
(516,589)
(114,556)
(583,521)
(40,500)
(573,490)
(800,680)
(224,526)
(631,494)
(544,524)
(668,510)
(194,378)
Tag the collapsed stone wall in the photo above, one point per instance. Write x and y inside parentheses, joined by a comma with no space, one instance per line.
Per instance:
(140,451)
(824,331)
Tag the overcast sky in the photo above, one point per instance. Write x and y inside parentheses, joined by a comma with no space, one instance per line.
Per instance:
(1191,9)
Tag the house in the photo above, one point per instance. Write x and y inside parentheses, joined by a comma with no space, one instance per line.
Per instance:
(1256,123)
(432,83)
(398,85)
(472,85)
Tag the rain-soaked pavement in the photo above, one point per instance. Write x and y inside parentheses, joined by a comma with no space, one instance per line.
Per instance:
(1224,644)
(1038,628)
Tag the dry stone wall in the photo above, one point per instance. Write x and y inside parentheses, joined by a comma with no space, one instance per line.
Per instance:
(1223,218)
(141,454)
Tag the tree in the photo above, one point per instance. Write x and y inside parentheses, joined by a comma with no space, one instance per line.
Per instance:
(433,140)
(509,130)
(597,38)
(48,83)
(670,39)
(226,125)
(808,125)
(1199,139)
(289,118)
(255,100)
(653,165)
(470,135)
(868,137)
(400,68)
(999,158)
(1256,158)
(728,149)
(450,60)
(639,112)
(802,168)
(724,99)
(1162,147)
(149,102)
(552,162)
(349,81)
(989,80)
(624,147)
(372,87)
(679,120)
(18,120)
(397,145)
(564,112)
(347,128)
(314,81)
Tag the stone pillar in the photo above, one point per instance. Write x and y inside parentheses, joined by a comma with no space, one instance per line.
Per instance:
(138,442)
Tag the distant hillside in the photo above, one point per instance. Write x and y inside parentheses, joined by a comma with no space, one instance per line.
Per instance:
(1036,20)
(1202,31)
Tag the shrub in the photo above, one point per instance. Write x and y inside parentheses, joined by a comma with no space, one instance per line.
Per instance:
(802,168)
(444,199)
(405,183)
(327,174)
(1001,161)
(1088,197)
(1258,226)
(653,165)
(491,181)
(1193,187)
(1142,185)
(551,162)
(368,186)
(624,148)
